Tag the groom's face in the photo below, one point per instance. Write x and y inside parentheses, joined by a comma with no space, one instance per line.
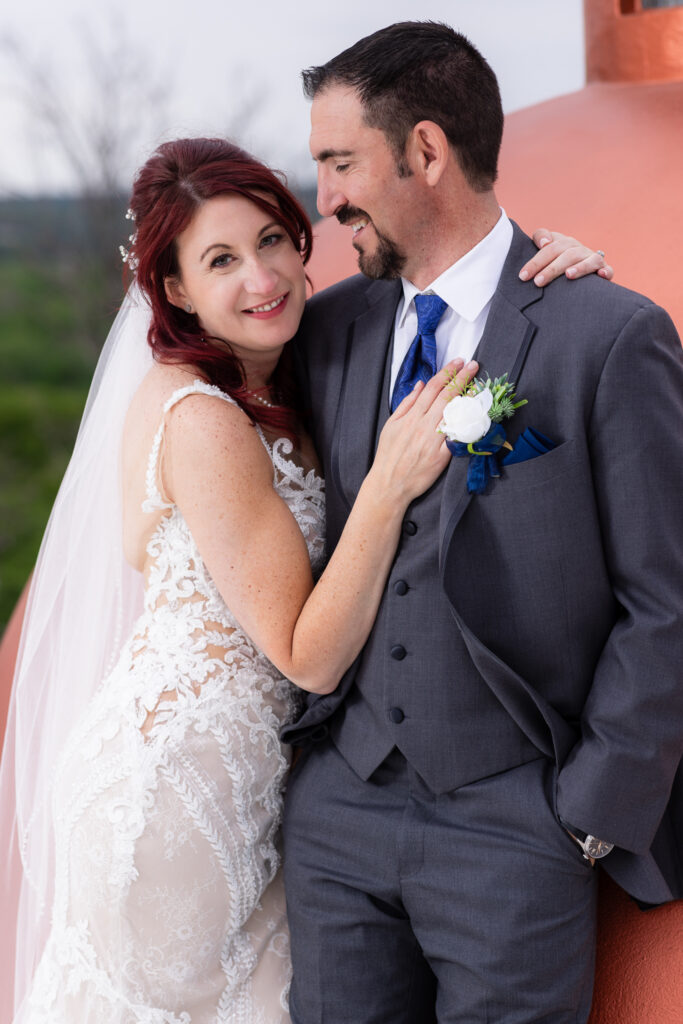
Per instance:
(359,183)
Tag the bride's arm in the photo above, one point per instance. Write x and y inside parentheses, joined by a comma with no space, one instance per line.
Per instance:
(218,473)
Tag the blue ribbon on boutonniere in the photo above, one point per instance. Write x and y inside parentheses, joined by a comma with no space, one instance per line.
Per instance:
(482,455)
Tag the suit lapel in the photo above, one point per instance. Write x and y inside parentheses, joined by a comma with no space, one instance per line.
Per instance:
(503,348)
(359,405)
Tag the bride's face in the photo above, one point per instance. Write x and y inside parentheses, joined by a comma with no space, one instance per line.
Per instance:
(241,275)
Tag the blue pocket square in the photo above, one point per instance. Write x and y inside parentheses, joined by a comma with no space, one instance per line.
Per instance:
(528,445)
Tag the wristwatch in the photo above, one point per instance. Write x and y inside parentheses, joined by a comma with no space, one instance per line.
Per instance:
(592,846)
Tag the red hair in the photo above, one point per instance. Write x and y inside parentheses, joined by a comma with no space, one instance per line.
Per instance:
(168,190)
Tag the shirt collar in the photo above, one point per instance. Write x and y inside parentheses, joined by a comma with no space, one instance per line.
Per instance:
(468,285)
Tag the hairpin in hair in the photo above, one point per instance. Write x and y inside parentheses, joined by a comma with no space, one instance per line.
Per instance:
(128,255)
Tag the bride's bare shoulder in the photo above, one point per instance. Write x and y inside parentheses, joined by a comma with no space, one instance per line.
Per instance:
(160,382)
(200,421)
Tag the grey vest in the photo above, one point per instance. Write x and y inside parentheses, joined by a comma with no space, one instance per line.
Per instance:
(416,687)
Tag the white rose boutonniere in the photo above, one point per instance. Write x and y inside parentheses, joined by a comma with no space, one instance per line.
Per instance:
(472,426)
(466,417)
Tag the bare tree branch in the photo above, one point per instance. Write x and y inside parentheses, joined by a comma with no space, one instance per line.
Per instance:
(95,113)
(92,115)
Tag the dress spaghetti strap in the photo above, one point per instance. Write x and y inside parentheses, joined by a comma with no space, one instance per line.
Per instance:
(154,500)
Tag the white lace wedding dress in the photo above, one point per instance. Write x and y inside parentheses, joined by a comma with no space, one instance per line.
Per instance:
(169,907)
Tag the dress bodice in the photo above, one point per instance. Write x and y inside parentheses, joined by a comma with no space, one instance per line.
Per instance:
(178,572)
(183,609)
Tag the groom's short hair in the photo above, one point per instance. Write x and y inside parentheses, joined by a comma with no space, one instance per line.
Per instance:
(423,71)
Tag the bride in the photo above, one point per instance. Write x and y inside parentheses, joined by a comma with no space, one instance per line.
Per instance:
(173,621)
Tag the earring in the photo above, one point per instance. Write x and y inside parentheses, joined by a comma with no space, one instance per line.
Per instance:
(188,307)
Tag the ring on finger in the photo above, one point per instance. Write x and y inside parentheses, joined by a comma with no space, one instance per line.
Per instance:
(600,253)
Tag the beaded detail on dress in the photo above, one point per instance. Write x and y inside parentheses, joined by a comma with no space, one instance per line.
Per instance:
(169,906)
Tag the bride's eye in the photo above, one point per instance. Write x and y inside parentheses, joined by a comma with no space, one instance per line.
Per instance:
(272,239)
(221,260)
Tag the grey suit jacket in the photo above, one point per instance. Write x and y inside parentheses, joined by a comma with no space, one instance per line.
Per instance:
(564,578)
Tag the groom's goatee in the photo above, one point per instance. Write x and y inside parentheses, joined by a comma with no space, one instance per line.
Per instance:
(387,262)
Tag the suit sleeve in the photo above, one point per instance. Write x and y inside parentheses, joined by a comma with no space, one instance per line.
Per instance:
(617,779)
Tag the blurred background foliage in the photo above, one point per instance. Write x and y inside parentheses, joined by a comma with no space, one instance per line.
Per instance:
(46,361)
(61,275)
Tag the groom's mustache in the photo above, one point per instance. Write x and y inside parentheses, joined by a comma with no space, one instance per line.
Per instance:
(350,214)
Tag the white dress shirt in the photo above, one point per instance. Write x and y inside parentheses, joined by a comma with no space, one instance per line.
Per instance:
(467,286)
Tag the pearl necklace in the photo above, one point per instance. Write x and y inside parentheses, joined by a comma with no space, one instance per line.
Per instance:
(263,401)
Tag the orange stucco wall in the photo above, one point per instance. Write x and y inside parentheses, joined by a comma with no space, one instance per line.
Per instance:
(625,43)
(639,971)
(604,164)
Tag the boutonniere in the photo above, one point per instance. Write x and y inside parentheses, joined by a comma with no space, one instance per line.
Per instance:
(472,426)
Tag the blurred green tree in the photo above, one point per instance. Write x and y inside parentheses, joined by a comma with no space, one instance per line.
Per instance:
(44,374)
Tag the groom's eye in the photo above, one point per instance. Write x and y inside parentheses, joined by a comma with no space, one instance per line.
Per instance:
(340,168)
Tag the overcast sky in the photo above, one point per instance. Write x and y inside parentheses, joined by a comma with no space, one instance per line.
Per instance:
(215,56)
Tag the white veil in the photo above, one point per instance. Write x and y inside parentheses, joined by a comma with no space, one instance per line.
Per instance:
(82,603)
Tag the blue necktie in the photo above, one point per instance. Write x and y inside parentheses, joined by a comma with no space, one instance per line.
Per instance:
(420,360)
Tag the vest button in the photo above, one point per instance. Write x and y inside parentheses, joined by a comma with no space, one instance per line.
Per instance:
(401,587)
(398,652)
(410,527)
(396,715)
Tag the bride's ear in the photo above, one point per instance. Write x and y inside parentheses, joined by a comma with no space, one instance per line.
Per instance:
(175,293)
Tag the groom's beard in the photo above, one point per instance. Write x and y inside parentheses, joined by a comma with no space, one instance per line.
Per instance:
(387,261)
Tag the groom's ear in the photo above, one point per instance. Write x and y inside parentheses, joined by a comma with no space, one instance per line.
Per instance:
(428,151)
(175,293)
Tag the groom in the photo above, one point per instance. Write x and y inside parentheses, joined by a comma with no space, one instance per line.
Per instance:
(516,712)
